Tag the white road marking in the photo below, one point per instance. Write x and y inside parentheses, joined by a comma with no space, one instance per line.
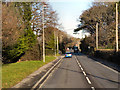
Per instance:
(78,62)
(84,73)
(88,80)
(52,68)
(81,68)
(108,67)
(92,88)
(49,76)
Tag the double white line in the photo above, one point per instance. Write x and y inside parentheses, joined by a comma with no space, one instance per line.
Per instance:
(48,72)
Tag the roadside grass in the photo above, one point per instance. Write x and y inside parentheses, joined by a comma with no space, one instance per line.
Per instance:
(57,54)
(13,73)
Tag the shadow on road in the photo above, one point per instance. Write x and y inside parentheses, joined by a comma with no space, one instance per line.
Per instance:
(90,75)
(70,70)
(103,78)
(104,62)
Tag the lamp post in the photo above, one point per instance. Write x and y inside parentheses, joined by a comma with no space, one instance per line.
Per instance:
(43,33)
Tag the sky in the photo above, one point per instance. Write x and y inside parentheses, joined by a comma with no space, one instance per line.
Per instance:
(69,12)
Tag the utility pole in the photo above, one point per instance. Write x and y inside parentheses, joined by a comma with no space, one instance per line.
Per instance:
(54,40)
(117,27)
(97,36)
(61,42)
(57,45)
(0,44)
(43,33)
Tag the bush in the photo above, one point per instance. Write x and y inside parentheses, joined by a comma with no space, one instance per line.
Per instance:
(49,52)
(14,52)
(33,53)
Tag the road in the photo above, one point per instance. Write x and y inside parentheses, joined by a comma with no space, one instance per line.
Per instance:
(81,72)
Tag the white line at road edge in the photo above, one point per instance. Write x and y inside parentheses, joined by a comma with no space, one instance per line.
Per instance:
(45,75)
(108,67)
(48,77)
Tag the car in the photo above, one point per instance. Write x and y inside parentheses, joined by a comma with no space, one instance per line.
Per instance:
(76,50)
(68,54)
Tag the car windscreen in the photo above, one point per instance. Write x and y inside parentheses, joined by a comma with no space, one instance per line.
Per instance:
(75,47)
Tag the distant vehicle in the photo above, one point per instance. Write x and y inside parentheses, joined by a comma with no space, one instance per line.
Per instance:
(67,49)
(76,50)
(68,54)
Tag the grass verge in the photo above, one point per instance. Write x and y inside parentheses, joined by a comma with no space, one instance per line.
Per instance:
(13,73)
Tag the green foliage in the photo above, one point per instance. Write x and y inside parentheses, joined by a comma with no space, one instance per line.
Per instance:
(49,52)
(51,42)
(26,39)
(26,13)
(104,14)
(35,53)
(26,42)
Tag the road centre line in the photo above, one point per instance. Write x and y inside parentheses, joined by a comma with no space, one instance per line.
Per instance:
(84,73)
(79,64)
(88,80)
(92,88)
(81,68)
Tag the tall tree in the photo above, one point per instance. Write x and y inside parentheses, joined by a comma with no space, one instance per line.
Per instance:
(17,36)
(104,14)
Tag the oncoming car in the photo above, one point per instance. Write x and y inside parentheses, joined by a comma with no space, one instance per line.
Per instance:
(68,54)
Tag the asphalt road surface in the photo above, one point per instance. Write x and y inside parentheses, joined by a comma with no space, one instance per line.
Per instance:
(82,72)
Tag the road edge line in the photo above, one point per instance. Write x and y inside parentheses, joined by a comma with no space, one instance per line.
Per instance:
(107,67)
(46,74)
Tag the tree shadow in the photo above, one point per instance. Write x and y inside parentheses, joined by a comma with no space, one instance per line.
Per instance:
(104,62)
(70,70)
(103,78)
(90,75)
